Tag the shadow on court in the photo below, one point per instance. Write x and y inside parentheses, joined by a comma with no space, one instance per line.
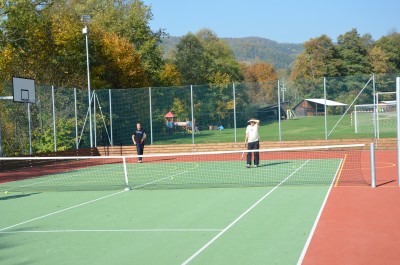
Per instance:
(11,197)
(272,164)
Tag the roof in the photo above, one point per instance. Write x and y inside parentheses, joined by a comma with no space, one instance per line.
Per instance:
(283,104)
(169,115)
(389,102)
(328,102)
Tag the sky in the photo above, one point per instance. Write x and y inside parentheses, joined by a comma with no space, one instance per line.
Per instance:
(290,21)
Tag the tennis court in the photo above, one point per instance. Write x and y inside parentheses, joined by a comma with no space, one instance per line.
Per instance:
(188,209)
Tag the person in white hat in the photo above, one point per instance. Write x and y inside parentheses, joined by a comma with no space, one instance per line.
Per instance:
(252,141)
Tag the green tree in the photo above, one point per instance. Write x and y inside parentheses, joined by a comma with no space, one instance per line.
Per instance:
(224,67)
(319,59)
(191,60)
(353,53)
(203,58)
(390,45)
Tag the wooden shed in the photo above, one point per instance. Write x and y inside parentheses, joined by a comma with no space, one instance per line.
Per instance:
(313,107)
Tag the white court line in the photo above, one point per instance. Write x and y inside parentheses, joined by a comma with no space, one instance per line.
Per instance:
(158,180)
(303,253)
(240,217)
(167,177)
(112,230)
(60,211)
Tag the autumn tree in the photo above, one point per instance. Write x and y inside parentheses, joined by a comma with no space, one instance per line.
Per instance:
(170,75)
(26,40)
(120,65)
(263,79)
(130,20)
(378,60)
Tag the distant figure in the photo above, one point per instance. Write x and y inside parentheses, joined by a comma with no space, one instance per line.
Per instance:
(138,137)
(253,141)
(220,127)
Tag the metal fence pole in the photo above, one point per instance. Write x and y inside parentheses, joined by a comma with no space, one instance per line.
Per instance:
(234,109)
(29,128)
(111,119)
(94,118)
(151,117)
(279,112)
(54,119)
(191,103)
(76,120)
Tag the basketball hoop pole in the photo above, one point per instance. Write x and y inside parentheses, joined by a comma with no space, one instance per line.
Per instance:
(85,31)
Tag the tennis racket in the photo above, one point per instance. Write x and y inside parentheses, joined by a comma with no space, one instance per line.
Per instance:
(243,152)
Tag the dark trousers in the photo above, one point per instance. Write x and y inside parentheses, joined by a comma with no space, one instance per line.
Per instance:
(253,146)
(140,149)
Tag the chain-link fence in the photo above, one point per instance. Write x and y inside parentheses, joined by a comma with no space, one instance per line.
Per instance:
(60,120)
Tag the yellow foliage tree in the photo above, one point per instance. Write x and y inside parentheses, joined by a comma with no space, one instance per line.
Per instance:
(120,64)
(379,60)
(170,75)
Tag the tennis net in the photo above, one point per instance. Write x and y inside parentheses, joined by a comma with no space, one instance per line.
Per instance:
(314,165)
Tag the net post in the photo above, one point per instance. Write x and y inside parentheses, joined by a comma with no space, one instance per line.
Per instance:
(372,159)
(125,174)
(398,126)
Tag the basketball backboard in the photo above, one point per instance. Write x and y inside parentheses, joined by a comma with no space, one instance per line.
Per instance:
(24,90)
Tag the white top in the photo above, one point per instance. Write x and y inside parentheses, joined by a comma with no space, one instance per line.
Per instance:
(252,131)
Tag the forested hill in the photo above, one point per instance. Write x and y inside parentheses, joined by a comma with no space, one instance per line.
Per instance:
(251,49)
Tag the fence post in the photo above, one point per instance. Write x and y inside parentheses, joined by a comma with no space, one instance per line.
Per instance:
(279,112)
(191,103)
(234,108)
(151,117)
(54,119)
(111,118)
(76,120)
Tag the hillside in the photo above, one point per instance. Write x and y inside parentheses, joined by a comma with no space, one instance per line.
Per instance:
(251,49)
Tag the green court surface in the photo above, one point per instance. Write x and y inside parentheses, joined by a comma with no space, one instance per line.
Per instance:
(198,226)
(175,211)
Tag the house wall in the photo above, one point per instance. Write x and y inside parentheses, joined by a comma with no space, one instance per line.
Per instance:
(306,108)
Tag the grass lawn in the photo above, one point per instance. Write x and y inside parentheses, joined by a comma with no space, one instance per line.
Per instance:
(307,128)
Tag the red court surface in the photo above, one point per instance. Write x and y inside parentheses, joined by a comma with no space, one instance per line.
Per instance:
(360,224)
